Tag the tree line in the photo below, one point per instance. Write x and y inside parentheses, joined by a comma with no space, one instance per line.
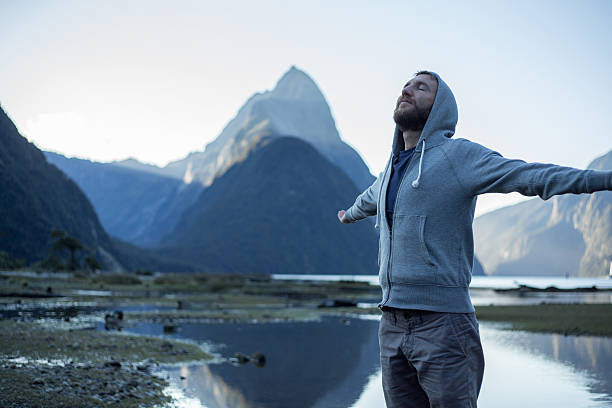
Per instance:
(65,253)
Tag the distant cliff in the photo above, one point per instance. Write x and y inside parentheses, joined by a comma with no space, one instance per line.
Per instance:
(295,107)
(36,197)
(275,212)
(133,205)
(141,203)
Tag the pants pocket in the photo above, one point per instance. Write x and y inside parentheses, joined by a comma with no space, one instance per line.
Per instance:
(450,361)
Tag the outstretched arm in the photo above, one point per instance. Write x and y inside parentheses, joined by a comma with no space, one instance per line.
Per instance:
(490,172)
(365,205)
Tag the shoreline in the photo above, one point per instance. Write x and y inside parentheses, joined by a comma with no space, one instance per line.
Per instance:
(50,343)
(53,355)
(567,319)
(41,366)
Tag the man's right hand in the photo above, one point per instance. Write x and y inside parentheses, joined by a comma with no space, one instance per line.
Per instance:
(342,218)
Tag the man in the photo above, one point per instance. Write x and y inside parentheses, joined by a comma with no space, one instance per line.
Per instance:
(424,201)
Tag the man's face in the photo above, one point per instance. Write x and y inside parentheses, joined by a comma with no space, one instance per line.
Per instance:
(415,102)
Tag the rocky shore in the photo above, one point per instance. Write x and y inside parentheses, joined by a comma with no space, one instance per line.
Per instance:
(55,353)
(46,367)
(32,384)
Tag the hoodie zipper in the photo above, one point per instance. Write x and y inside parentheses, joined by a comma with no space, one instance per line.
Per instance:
(391,235)
(389,164)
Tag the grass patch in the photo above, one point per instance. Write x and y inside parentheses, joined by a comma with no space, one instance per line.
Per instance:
(117,279)
(19,339)
(575,319)
(100,369)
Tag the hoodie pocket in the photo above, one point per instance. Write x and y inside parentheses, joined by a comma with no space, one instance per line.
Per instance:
(412,261)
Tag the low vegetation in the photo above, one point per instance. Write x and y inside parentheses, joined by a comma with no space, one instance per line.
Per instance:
(63,364)
(47,367)
(576,319)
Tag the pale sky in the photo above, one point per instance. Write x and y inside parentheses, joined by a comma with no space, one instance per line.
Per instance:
(155,80)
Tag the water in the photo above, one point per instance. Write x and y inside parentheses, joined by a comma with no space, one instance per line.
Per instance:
(483,297)
(482,288)
(334,363)
(541,370)
(534,370)
(480,282)
(308,364)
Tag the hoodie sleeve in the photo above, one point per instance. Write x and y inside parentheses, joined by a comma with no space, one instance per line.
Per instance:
(481,171)
(366,203)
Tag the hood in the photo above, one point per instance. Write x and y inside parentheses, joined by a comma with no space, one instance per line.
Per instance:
(439,126)
(440,123)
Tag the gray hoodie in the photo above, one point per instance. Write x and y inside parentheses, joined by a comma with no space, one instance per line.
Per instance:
(426,261)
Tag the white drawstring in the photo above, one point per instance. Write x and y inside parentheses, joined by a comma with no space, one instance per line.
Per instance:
(415,183)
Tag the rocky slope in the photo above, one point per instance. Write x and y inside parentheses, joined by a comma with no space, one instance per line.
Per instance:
(141,203)
(295,107)
(275,212)
(134,205)
(36,197)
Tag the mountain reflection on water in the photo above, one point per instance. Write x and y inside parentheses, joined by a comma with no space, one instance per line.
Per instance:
(330,363)
(308,364)
(571,371)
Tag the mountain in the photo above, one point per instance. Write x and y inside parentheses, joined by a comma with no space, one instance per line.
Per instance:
(133,204)
(295,107)
(139,203)
(478,269)
(275,212)
(37,198)
(568,235)
(134,164)
(297,352)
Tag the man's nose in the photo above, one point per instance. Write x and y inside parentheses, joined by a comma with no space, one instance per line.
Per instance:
(407,91)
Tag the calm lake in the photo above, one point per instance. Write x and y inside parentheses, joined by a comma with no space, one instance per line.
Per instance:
(483,288)
(334,363)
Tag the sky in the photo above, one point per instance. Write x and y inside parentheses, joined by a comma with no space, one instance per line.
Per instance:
(155,80)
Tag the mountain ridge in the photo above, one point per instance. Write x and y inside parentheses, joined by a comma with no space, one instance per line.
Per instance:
(36,198)
(294,107)
(134,205)
(239,223)
(141,210)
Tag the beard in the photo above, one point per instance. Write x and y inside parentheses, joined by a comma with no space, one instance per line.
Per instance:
(411,119)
